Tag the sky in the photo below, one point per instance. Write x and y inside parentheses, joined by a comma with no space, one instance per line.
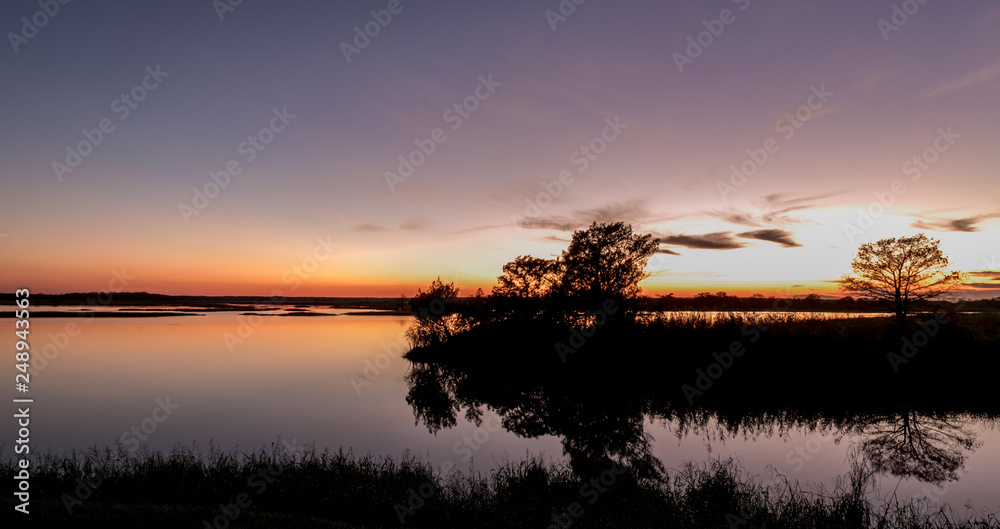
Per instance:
(365,148)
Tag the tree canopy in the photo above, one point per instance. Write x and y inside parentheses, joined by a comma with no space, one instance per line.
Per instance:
(606,260)
(901,271)
(528,277)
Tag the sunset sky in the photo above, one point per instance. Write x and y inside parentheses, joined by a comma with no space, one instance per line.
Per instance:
(845,95)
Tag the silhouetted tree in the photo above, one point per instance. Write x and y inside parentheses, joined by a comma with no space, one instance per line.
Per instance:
(527,277)
(606,260)
(433,310)
(901,271)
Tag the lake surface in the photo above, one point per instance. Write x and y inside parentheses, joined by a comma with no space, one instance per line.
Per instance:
(243,381)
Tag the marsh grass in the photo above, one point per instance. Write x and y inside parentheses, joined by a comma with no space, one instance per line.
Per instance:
(787,357)
(326,488)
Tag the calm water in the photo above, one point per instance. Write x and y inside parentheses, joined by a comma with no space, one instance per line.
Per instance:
(339,381)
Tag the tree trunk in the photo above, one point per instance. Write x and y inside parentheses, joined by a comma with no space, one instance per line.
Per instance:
(900,312)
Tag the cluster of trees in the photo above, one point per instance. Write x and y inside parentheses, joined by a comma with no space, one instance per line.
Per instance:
(608,260)
(605,260)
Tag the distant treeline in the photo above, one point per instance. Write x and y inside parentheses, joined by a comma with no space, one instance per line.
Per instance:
(811,302)
(126,299)
(701,301)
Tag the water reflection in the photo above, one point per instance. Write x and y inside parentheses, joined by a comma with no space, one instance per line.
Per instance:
(930,447)
(597,427)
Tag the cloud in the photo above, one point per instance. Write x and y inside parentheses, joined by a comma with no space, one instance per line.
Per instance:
(666,251)
(736,217)
(965,224)
(988,275)
(368,227)
(632,212)
(983,285)
(771,211)
(821,111)
(781,203)
(720,240)
(554,238)
(781,237)
(483,228)
(559,223)
(416,223)
(984,74)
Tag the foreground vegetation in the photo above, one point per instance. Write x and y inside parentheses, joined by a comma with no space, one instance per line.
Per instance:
(306,488)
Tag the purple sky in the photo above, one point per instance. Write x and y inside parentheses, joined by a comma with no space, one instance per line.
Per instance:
(537,101)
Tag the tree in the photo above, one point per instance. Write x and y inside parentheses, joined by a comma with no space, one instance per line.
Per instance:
(607,260)
(901,271)
(433,311)
(527,277)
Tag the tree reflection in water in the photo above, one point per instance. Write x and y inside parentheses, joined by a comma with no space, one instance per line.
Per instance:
(598,427)
(929,447)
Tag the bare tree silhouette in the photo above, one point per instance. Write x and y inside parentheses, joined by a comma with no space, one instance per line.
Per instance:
(901,271)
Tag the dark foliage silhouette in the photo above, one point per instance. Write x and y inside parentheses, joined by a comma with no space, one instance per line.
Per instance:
(901,272)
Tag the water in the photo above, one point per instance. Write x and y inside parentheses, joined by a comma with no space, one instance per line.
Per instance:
(339,381)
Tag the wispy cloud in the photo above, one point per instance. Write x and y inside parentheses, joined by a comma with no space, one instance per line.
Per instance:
(720,240)
(742,218)
(984,74)
(965,224)
(983,285)
(632,212)
(559,223)
(772,210)
(482,228)
(781,237)
(369,227)
(821,111)
(417,223)
(782,203)
(992,278)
